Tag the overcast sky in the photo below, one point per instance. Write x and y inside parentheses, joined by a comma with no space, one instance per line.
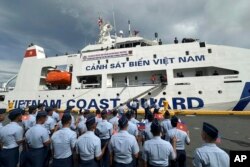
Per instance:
(67,26)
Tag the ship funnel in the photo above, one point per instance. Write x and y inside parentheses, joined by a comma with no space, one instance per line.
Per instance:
(34,51)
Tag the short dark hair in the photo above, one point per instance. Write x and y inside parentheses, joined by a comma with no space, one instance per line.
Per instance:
(114,112)
(40,115)
(174,121)
(150,117)
(98,111)
(155,128)
(66,118)
(129,114)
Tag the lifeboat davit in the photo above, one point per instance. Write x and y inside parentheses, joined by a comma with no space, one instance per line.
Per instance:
(57,77)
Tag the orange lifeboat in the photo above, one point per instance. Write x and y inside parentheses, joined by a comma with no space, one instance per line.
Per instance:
(57,77)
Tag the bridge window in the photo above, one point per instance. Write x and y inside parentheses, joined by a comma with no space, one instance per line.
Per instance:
(203,71)
(91,81)
(2,97)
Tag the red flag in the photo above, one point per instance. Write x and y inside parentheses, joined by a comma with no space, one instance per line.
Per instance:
(30,53)
(25,117)
(99,22)
(182,126)
(141,126)
(158,116)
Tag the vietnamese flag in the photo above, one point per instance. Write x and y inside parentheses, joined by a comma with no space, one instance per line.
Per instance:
(182,126)
(30,53)
(25,117)
(141,126)
(158,116)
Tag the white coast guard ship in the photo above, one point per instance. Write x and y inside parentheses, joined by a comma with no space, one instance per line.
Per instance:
(189,75)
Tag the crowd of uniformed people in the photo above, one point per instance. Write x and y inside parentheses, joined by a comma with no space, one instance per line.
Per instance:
(41,137)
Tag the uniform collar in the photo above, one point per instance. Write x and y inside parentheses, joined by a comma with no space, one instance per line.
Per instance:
(123,131)
(15,123)
(157,137)
(89,132)
(209,144)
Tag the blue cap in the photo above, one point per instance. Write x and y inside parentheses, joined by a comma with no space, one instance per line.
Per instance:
(40,105)
(123,121)
(210,130)
(90,120)
(48,109)
(2,110)
(32,107)
(41,114)
(15,113)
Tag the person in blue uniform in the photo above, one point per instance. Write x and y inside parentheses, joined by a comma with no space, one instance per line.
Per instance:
(182,138)
(147,134)
(55,115)
(158,152)
(32,117)
(132,128)
(88,145)
(37,139)
(209,154)
(11,136)
(50,123)
(166,126)
(104,131)
(63,144)
(123,146)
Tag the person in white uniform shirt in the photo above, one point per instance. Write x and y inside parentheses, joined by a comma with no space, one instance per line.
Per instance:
(88,145)
(182,138)
(50,123)
(104,131)
(37,139)
(209,154)
(11,136)
(55,115)
(63,144)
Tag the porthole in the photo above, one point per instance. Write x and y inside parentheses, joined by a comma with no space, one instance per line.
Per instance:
(187,53)
(107,61)
(164,93)
(98,61)
(73,95)
(127,58)
(117,94)
(62,95)
(220,91)
(179,93)
(200,92)
(99,95)
(149,93)
(155,56)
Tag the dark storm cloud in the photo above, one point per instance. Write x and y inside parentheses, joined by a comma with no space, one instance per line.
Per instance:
(66,26)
